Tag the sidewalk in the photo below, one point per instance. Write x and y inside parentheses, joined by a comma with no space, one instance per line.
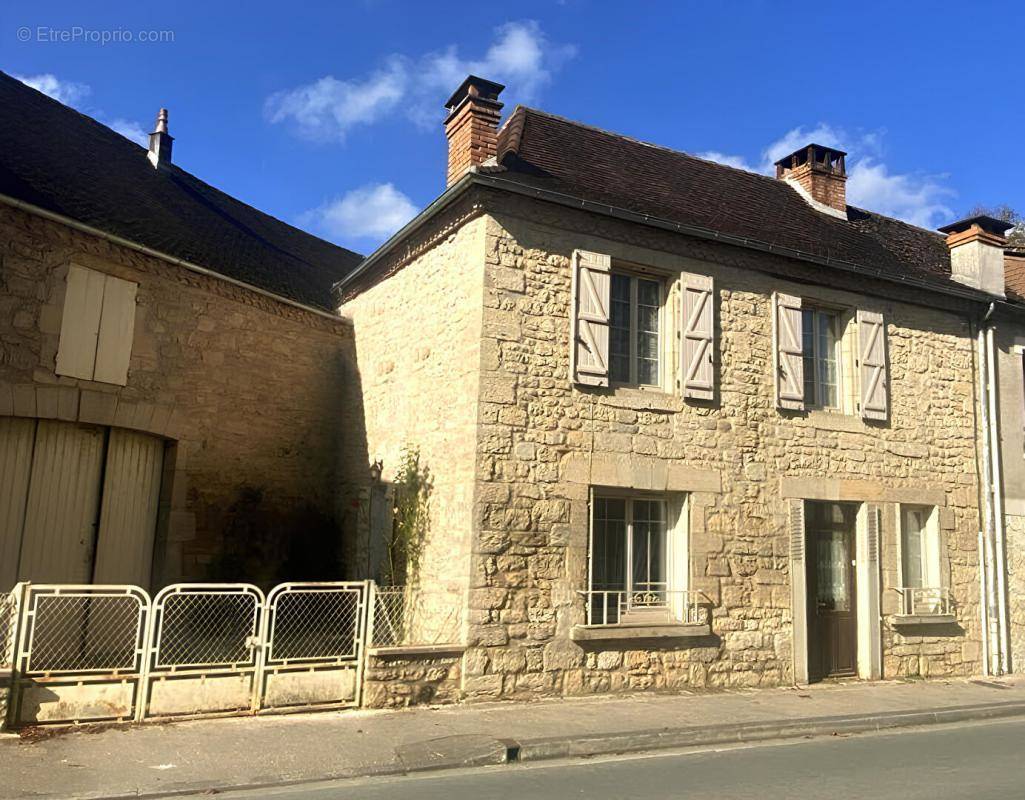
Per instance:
(156,759)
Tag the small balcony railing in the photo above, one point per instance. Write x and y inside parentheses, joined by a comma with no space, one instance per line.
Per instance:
(647,606)
(925,601)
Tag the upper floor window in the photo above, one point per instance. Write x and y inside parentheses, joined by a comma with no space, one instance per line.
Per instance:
(97,327)
(635,328)
(821,353)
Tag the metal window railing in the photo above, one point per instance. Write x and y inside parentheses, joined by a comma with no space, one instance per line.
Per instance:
(924,601)
(404,616)
(649,606)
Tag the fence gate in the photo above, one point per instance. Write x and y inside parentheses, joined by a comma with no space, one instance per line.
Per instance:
(314,636)
(93,653)
(79,653)
(203,652)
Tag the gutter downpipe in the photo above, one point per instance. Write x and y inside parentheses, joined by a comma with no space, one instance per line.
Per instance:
(998,506)
(985,535)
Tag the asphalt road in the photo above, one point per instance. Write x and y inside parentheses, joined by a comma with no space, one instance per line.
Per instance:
(975,761)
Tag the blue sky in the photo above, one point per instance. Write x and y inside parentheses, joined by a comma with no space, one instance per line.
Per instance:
(328,115)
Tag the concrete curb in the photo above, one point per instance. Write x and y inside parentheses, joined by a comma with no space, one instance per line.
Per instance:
(476,751)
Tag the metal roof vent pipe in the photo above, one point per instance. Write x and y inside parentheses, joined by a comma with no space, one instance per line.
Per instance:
(160,142)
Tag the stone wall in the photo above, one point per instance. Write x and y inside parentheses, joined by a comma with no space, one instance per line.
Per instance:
(247,390)
(417,377)
(399,680)
(542,443)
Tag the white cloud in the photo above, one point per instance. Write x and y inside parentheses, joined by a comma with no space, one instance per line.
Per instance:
(327,108)
(130,130)
(520,55)
(74,94)
(66,92)
(371,212)
(913,197)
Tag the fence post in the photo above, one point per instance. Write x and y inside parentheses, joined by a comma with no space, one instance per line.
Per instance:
(370,593)
(263,634)
(148,629)
(10,651)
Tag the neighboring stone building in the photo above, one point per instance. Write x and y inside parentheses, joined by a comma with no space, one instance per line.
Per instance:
(689,425)
(171,372)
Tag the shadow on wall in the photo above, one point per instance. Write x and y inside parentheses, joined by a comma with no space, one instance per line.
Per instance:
(264,545)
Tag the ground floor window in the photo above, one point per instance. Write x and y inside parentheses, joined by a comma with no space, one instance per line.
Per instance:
(637,556)
(921,585)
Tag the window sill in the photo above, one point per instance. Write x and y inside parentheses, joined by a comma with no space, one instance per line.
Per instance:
(599,633)
(917,620)
(831,420)
(647,398)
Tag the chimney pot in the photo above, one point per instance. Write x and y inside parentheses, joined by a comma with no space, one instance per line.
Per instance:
(160,142)
(819,174)
(471,126)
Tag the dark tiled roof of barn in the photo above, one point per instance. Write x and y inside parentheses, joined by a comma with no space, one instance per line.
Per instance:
(553,153)
(53,157)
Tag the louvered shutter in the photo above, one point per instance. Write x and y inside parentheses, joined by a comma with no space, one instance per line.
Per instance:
(789,351)
(590,319)
(872,356)
(798,586)
(697,336)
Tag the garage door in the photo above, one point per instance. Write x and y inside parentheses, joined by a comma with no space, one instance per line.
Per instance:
(78,503)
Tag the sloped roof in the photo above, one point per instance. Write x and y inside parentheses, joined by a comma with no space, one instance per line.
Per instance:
(549,152)
(53,157)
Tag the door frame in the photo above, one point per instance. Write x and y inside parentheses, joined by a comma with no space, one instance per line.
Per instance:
(867,588)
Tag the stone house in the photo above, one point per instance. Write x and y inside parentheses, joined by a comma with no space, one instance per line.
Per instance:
(688,425)
(170,366)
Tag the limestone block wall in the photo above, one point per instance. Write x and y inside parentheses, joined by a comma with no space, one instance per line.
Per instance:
(246,389)
(400,680)
(417,375)
(542,444)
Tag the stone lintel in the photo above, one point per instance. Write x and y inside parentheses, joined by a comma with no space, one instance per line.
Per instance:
(644,473)
(840,490)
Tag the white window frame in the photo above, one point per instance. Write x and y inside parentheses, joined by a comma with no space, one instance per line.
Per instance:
(839,334)
(930,547)
(635,275)
(677,536)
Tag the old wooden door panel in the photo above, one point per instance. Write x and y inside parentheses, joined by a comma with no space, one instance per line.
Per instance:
(128,518)
(16,440)
(832,601)
(63,504)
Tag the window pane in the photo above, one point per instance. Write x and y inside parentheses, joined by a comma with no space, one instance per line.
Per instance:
(647,331)
(911,547)
(649,546)
(619,338)
(826,354)
(608,556)
(808,353)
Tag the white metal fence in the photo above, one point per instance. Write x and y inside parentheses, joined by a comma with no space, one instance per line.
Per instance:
(91,653)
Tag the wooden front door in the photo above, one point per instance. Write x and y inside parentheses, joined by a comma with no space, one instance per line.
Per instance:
(832,602)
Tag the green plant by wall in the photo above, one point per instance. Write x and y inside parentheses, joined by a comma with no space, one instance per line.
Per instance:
(410,520)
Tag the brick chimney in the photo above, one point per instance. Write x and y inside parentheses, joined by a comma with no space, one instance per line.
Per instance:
(819,175)
(160,142)
(977,252)
(472,125)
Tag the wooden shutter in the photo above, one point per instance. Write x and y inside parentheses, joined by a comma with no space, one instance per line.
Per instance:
(798,586)
(117,328)
(80,324)
(697,336)
(872,357)
(589,346)
(789,351)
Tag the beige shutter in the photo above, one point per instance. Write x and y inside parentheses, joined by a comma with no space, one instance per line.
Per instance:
(798,586)
(63,502)
(80,324)
(789,351)
(872,356)
(697,337)
(869,631)
(16,439)
(128,515)
(117,328)
(589,353)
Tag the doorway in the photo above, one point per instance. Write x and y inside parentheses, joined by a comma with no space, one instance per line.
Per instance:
(832,603)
